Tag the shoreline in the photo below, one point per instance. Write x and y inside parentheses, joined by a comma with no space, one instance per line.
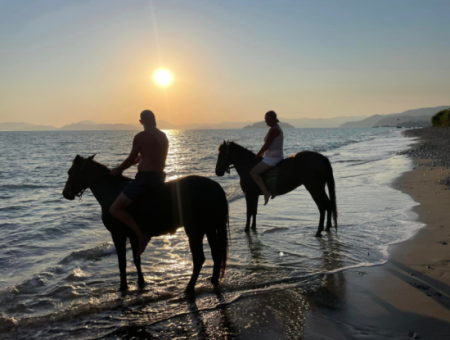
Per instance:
(409,296)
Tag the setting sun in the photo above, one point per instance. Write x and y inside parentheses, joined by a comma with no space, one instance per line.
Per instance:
(163,77)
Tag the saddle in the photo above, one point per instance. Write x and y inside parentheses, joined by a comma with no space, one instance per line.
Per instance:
(270,178)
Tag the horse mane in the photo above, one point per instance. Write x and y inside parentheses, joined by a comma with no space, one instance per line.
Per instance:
(105,168)
(242,150)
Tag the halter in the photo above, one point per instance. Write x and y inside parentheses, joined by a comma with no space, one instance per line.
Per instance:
(77,176)
(228,169)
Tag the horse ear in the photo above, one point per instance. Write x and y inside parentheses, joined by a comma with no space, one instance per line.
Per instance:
(77,159)
(224,143)
(92,157)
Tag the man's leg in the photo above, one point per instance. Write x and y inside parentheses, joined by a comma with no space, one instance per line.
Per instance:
(118,211)
(255,173)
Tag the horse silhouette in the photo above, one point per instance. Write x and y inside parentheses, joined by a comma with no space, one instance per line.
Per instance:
(197,203)
(307,168)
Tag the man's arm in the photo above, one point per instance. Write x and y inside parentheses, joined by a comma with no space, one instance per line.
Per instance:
(130,160)
(273,133)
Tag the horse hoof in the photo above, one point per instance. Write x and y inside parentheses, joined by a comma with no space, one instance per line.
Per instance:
(189,291)
(123,288)
(215,281)
(318,235)
(141,283)
(253,227)
(247,229)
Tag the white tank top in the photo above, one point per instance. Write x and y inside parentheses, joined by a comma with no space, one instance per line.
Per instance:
(276,148)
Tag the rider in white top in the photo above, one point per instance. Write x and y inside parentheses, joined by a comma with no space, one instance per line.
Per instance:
(272,150)
(274,153)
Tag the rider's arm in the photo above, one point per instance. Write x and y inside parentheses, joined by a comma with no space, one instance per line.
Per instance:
(273,133)
(137,160)
(131,159)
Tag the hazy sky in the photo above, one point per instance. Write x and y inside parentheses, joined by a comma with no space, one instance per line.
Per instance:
(67,61)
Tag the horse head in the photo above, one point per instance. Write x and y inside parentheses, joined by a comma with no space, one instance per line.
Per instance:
(80,177)
(223,160)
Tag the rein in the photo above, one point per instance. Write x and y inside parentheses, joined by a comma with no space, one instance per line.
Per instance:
(229,167)
(77,176)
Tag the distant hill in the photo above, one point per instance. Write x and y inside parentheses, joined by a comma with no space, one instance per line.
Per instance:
(320,122)
(263,125)
(25,127)
(377,120)
(83,126)
(402,120)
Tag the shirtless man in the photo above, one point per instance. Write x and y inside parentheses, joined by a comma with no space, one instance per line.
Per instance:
(150,151)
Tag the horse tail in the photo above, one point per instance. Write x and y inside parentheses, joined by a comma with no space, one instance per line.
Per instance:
(223,230)
(331,190)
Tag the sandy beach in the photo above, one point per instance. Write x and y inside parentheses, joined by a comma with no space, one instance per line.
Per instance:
(409,297)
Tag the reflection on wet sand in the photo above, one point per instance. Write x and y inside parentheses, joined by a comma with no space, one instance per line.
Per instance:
(255,246)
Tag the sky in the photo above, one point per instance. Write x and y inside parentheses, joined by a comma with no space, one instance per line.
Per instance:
(66,61)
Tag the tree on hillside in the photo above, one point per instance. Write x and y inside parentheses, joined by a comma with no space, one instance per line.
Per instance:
(441,119)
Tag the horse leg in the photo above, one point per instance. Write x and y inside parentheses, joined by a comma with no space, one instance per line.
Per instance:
(320,197)
(329,212)
(216,255)
(198,257)
(120,241)
(137,259)
(254,210)
(249,212)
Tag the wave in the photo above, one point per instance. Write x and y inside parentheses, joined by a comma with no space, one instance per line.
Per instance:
(207,158)
(12,208)
(105,249)
(234,192)
(273,230)
(23,186)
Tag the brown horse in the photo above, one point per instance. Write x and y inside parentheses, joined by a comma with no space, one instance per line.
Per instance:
(197,203)
(311,169)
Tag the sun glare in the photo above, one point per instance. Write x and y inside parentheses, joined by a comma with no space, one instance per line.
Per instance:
(162,77)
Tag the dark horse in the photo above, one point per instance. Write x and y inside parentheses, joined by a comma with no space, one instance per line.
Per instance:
(197,203)
(311,169)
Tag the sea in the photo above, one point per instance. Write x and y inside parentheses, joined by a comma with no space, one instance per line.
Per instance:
(59,275)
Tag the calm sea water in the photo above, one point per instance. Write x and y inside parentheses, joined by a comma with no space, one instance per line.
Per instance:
(58,267)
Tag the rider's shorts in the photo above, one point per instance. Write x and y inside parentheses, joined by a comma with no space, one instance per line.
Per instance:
(143,183)
(272,161)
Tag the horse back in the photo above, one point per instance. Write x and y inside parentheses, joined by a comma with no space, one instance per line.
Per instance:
(295,170)
(188,200)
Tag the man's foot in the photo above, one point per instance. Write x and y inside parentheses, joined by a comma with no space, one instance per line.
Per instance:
(266,198)
(143,241)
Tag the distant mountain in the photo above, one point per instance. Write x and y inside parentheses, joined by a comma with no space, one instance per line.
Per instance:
(263,125)
(421,114)
(89,126)
(320,122)
(196,126)
(403,120)
(25,127)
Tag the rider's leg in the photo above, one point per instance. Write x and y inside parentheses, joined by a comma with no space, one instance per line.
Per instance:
(118,211)
(255,173)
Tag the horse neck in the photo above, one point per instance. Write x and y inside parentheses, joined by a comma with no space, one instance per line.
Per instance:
(104,186)
(243,159)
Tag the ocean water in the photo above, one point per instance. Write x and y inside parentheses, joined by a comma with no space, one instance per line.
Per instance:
(58,267)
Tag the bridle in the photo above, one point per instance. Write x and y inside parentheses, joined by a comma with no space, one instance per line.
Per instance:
(77,177)
(224,161)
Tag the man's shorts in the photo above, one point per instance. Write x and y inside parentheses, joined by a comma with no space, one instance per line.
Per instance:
(143,183)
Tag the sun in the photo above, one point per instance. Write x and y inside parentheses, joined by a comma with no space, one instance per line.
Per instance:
(163,77)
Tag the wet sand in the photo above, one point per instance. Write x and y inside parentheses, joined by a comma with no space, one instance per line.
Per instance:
(407,298)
